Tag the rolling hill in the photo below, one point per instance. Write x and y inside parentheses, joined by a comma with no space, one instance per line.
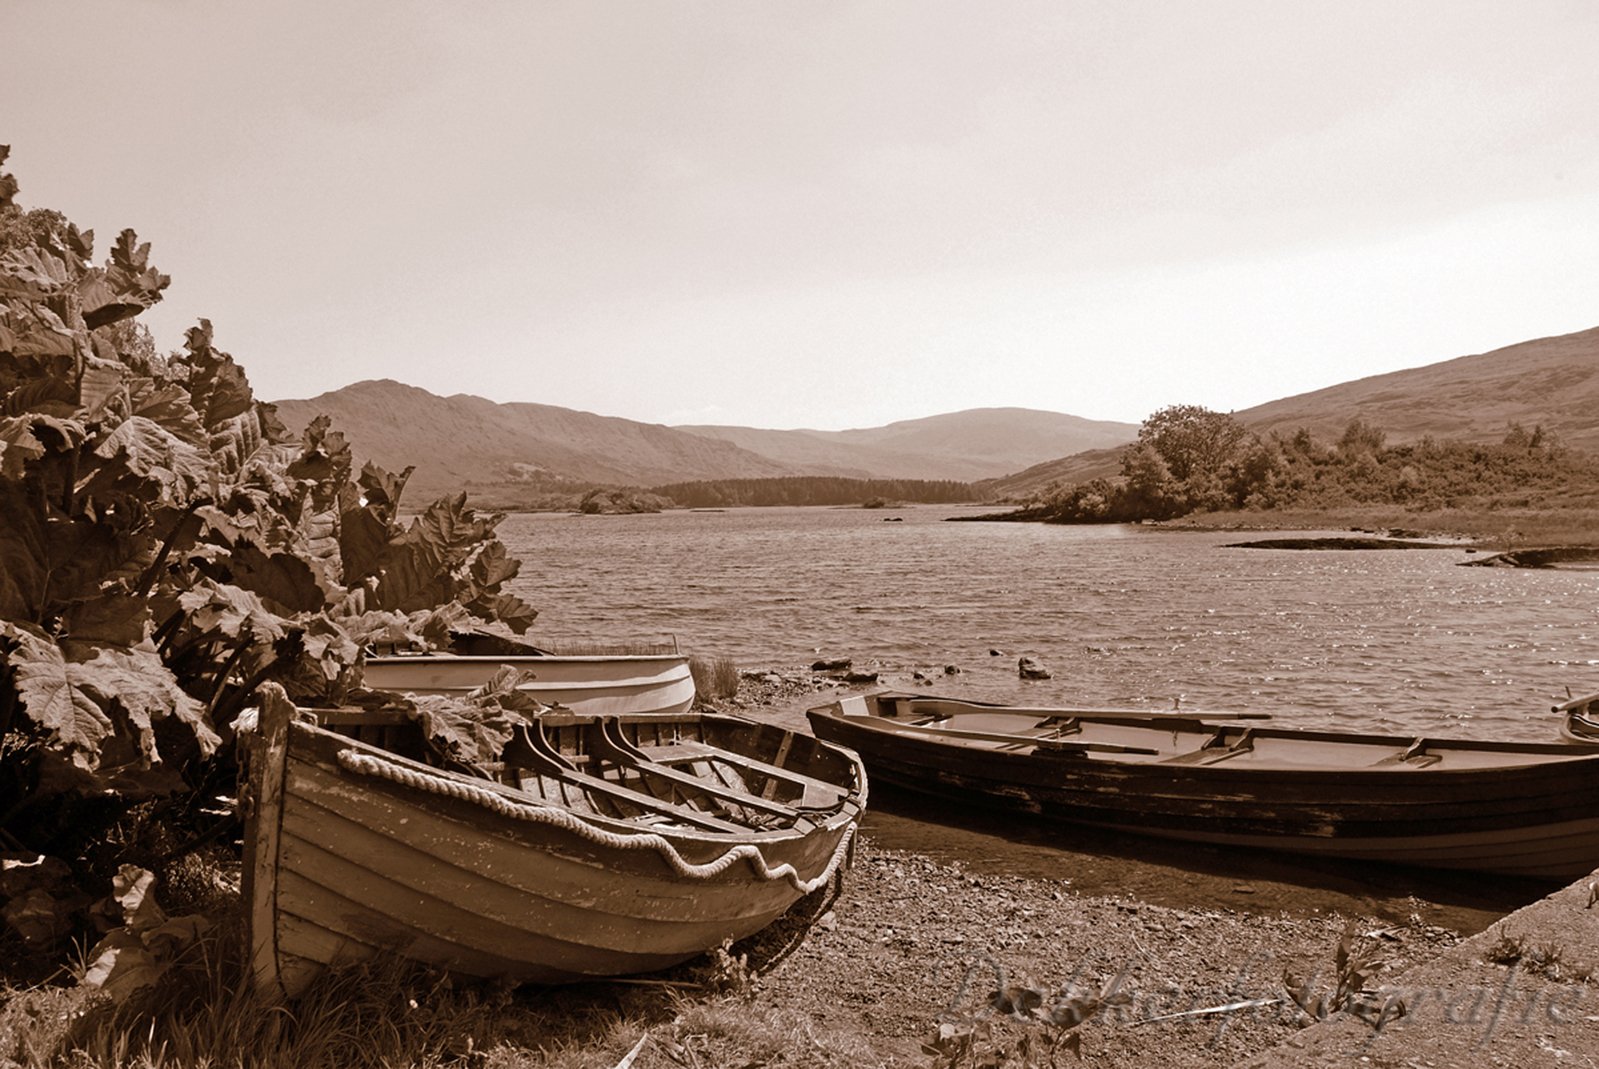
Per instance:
(1552,382)
(977,443)
(462,440)
(1548,382)
(458,440)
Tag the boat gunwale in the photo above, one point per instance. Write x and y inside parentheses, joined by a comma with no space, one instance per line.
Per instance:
(848,808)
(1195,722)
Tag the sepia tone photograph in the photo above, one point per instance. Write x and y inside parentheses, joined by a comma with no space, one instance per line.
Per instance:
(605,534)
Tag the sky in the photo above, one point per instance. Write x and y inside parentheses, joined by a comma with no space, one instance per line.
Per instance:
(828,214)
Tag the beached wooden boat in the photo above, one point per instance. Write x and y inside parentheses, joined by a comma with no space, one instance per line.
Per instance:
(1581,724)
(600,685)
(1528,809)
(606,846)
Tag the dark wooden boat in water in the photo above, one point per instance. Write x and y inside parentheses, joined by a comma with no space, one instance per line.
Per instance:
(1526,809)
(605,846)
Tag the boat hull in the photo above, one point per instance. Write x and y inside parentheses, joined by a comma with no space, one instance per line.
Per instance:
(354,852)
(593,685)
(1516,809)
(1581,724)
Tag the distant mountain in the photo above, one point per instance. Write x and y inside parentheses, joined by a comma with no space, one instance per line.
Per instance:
(462,441)
(1552,382)
(977,443)
(454,441)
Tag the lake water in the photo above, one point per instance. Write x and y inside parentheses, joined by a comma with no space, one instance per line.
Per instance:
(1394,640)
(1400,640)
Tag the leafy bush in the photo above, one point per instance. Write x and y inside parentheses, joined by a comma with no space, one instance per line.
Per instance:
(170,546)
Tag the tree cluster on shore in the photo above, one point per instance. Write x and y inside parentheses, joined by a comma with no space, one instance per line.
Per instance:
(1191,459)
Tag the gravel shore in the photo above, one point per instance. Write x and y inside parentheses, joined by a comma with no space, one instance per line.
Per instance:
(916,944)
(912,943)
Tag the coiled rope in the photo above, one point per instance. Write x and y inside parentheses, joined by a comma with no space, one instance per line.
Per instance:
(370,765)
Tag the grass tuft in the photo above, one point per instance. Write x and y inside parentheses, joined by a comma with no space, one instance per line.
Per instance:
(714,677)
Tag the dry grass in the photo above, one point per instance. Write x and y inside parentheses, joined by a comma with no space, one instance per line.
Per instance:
(707,1012)
(396,1016)
(714,677)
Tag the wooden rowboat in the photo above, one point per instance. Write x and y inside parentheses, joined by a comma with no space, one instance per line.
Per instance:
(1581,724)
(606,846)
(597,685)
(1527,809)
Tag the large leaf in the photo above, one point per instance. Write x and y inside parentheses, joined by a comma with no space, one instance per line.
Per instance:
(51,698)
(34,272)
(33,330)
(167,404)
(126,287)
(419,569)
(227,611)
(364,534)
(476,728)
(144,689)
(24,580)
(286,582)
(508,609)
(382,489)
(108,620)
(154,454)
(493,565)
(18,445)
(218,389)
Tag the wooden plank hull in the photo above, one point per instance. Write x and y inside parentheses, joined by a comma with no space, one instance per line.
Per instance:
(353,851)
(1522,809)
(593,685)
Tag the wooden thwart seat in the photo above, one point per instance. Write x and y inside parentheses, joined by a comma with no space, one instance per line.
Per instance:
(1414,755)
(1216,748)
(529,749)
(606,742)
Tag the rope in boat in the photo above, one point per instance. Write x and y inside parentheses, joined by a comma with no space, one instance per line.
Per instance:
(370,765)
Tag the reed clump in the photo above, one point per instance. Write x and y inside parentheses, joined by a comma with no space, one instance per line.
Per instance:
(714,677)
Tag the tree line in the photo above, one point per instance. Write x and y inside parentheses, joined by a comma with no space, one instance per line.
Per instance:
(814,490)
(1191,459)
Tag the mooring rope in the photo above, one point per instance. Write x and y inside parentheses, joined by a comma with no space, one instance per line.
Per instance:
(371,765)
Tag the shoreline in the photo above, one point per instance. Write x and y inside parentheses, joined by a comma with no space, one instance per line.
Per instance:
(904,960)
(936,935)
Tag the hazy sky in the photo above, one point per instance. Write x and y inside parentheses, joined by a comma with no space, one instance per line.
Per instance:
(829,214)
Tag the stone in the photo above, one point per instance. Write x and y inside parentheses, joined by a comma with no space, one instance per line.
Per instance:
(1030,668)
(840,664)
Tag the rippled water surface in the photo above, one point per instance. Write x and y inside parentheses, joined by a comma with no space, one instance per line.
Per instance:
(1397,640)
(1403,640)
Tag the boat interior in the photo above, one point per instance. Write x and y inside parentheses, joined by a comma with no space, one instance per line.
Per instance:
(1181,738)
(707,773)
